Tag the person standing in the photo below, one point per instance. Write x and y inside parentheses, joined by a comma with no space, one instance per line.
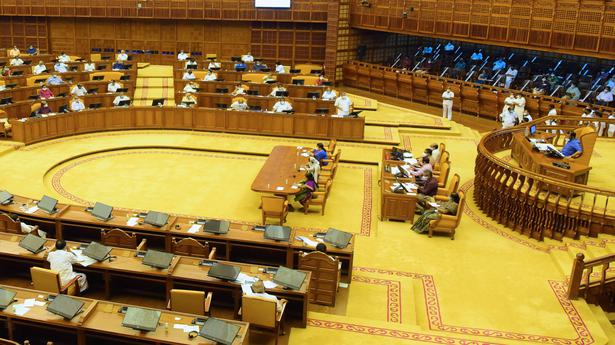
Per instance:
(508,117)
(511,74)
(519,106)
(447,103)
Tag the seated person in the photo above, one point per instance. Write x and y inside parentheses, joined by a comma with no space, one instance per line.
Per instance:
(435,153)
(113,86)
(573,146)
(277,88)
(118,66)
(78,90)
(214,65)
(60,67)
(6,72)
(54,79)
(119,98)
(89,66)
(526,116)
(573,92)
(282,106)
(258,290)
(122,56)
(210,76)
(605,97)
(343,104)
(31,50)
(239,90)
(189,100)
(191,87)
(247,58)
(240,66)
(329,94)
(425,165)
(306,189)
(428,190)
(182,56)
(62,261)
(16,61)
(188,75)
(77,104)
(321,80)
(448,207)
(259,66)
(483,78)
(45,92)
(14,52)
(279,68)
(63,57)
(320,153)
(240,104)
(191,63)
(43,110)
(39,68)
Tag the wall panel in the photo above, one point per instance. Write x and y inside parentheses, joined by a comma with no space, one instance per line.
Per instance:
(23,31)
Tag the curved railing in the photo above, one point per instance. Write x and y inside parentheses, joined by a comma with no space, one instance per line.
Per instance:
(519,198)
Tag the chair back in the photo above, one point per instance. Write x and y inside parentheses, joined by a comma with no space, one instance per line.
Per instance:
(236,99)
(189,247)
(188,301)
(7,224)
(444,157)
(118,238)
(462,203)
(258,311)
(587,137)
(325,276)
(328,187)
(453,184)
(211,56)
(35,106)
(332,145)
(445,168)
(95,57)
(45,280)
(442,148)
(272,203)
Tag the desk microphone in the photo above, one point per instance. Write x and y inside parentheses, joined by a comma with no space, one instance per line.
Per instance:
(111,258)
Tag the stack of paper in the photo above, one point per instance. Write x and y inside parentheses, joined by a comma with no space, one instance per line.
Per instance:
(132,221)
(83,260)
(195,228)
(243,278)
(186,328)
(411,161)
(32,209)
(20,309)
(308,242)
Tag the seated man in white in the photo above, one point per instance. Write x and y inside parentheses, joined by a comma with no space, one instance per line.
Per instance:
(277,88)
(188,75)
(54,80)
(239,104)
(247,58)
(343,104)
(182,56)
(210,76)
(214,65)
(63,57)
(16,61)
(190,88)
(77,104)
(78,90)
(122,56)
(239,90)
(189,100)
(191,63)
(39,68)
(60,67)
(113,86)
(62,262)
(282,106)
(329,94)
(120,98)
(279,68)
(89,67)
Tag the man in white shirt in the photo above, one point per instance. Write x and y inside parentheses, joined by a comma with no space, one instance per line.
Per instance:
(511,74)
(239,90)
(122,56)
(77,104)
(277,88)
(16,61)
(282,106)
(329,94)
(113,86)
(611,128)
(40,68)
(78,90)
(573,92)
(509,102)
(188,75)
(63,58)
(519,106)
(343,104)
(247,58)
(279,68)
(54,80)
(191,63)
(214,65)
(182,56)
(508,117)
(89,67)
(190,88)
(447,103)
(120,98)
(60,67)
(435,153)
(210,76)
(240,105)
(605,97)
(62,262)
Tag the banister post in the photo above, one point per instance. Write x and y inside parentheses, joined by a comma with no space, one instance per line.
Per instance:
(575,277)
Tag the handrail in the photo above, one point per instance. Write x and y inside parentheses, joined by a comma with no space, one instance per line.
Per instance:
(580,280)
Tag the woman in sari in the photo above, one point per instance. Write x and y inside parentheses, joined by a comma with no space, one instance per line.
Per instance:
(308,187)
(448,207)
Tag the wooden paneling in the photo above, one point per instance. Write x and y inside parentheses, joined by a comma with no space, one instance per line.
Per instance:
(582,27)
(289,42)
(23,31)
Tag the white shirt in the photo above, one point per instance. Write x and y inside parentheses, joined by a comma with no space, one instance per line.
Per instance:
(239,106)
(435,155)
(112,87)
(120,98)
(214,65)
(122,56)
(519,104)
(276,89)
(60,67)
(447,96)
(280,106)
(511,73)
(38,69)
(16,62)
(189,88)
(343,105)
(605,96)
(62,262)
(508,118)
(77,106)
(238,91)
(247,58)
(188,76)
(89,67)
(79,91)
(210,77)
(329,95)
(182,56)
(191,63)
(64,58)
(280,69)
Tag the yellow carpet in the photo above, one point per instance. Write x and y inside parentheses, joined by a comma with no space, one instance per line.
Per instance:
(489,285)
(155,82)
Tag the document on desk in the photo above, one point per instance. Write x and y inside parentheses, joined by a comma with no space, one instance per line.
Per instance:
(195,228)
(544,147)
(279,188)
(408,155)
(434,204)
(83,260)
(394,170)
(305,154)
(186,328)
(20,309)
(243,278)
(269,284)
(29,302)
(31,209)
(411,161)
(133,221)
(308,242)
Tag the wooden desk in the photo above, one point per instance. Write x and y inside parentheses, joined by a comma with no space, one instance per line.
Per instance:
(22,109)
(522,152)
(299,91)
(102,320)
(24,93)
(398,206)
(265,102)
(280,174)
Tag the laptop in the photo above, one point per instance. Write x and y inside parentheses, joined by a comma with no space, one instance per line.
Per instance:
(157,259)
(98,77)
(322,111)
(7,100)
(6,198)
(17,73)
(48,204)
(298,81)
(281,93)
(277,233)
(339,239)
(6,298)
(141,319)
(158,102)
(92,91)
(65,306)
(291,279)
(224,272)
(315,71)
(33,244)
(97,251)
(221,332)
(95,105)
(124,103)
(215,226)
(158,219)
(102,211)
(101,67)
(122,90)
(313,95)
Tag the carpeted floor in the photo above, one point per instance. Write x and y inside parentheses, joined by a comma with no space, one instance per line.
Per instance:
(488,286)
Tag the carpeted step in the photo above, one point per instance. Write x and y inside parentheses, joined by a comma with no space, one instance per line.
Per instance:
(562,260)
(604,322)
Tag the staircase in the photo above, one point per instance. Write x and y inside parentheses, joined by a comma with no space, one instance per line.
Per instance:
(154,82)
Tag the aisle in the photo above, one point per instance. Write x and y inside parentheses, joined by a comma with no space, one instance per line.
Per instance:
(154,82)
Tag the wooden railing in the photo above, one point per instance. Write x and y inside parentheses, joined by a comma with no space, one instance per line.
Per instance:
(470,98)
(516,197)
(596,288)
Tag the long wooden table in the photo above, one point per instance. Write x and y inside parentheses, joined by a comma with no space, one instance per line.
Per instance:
(300,91)
(280,175)
(523,153)
(198,119)
(183,272)
(22,109)
(264,102)
(397,206)
(25,92)
(99,320)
